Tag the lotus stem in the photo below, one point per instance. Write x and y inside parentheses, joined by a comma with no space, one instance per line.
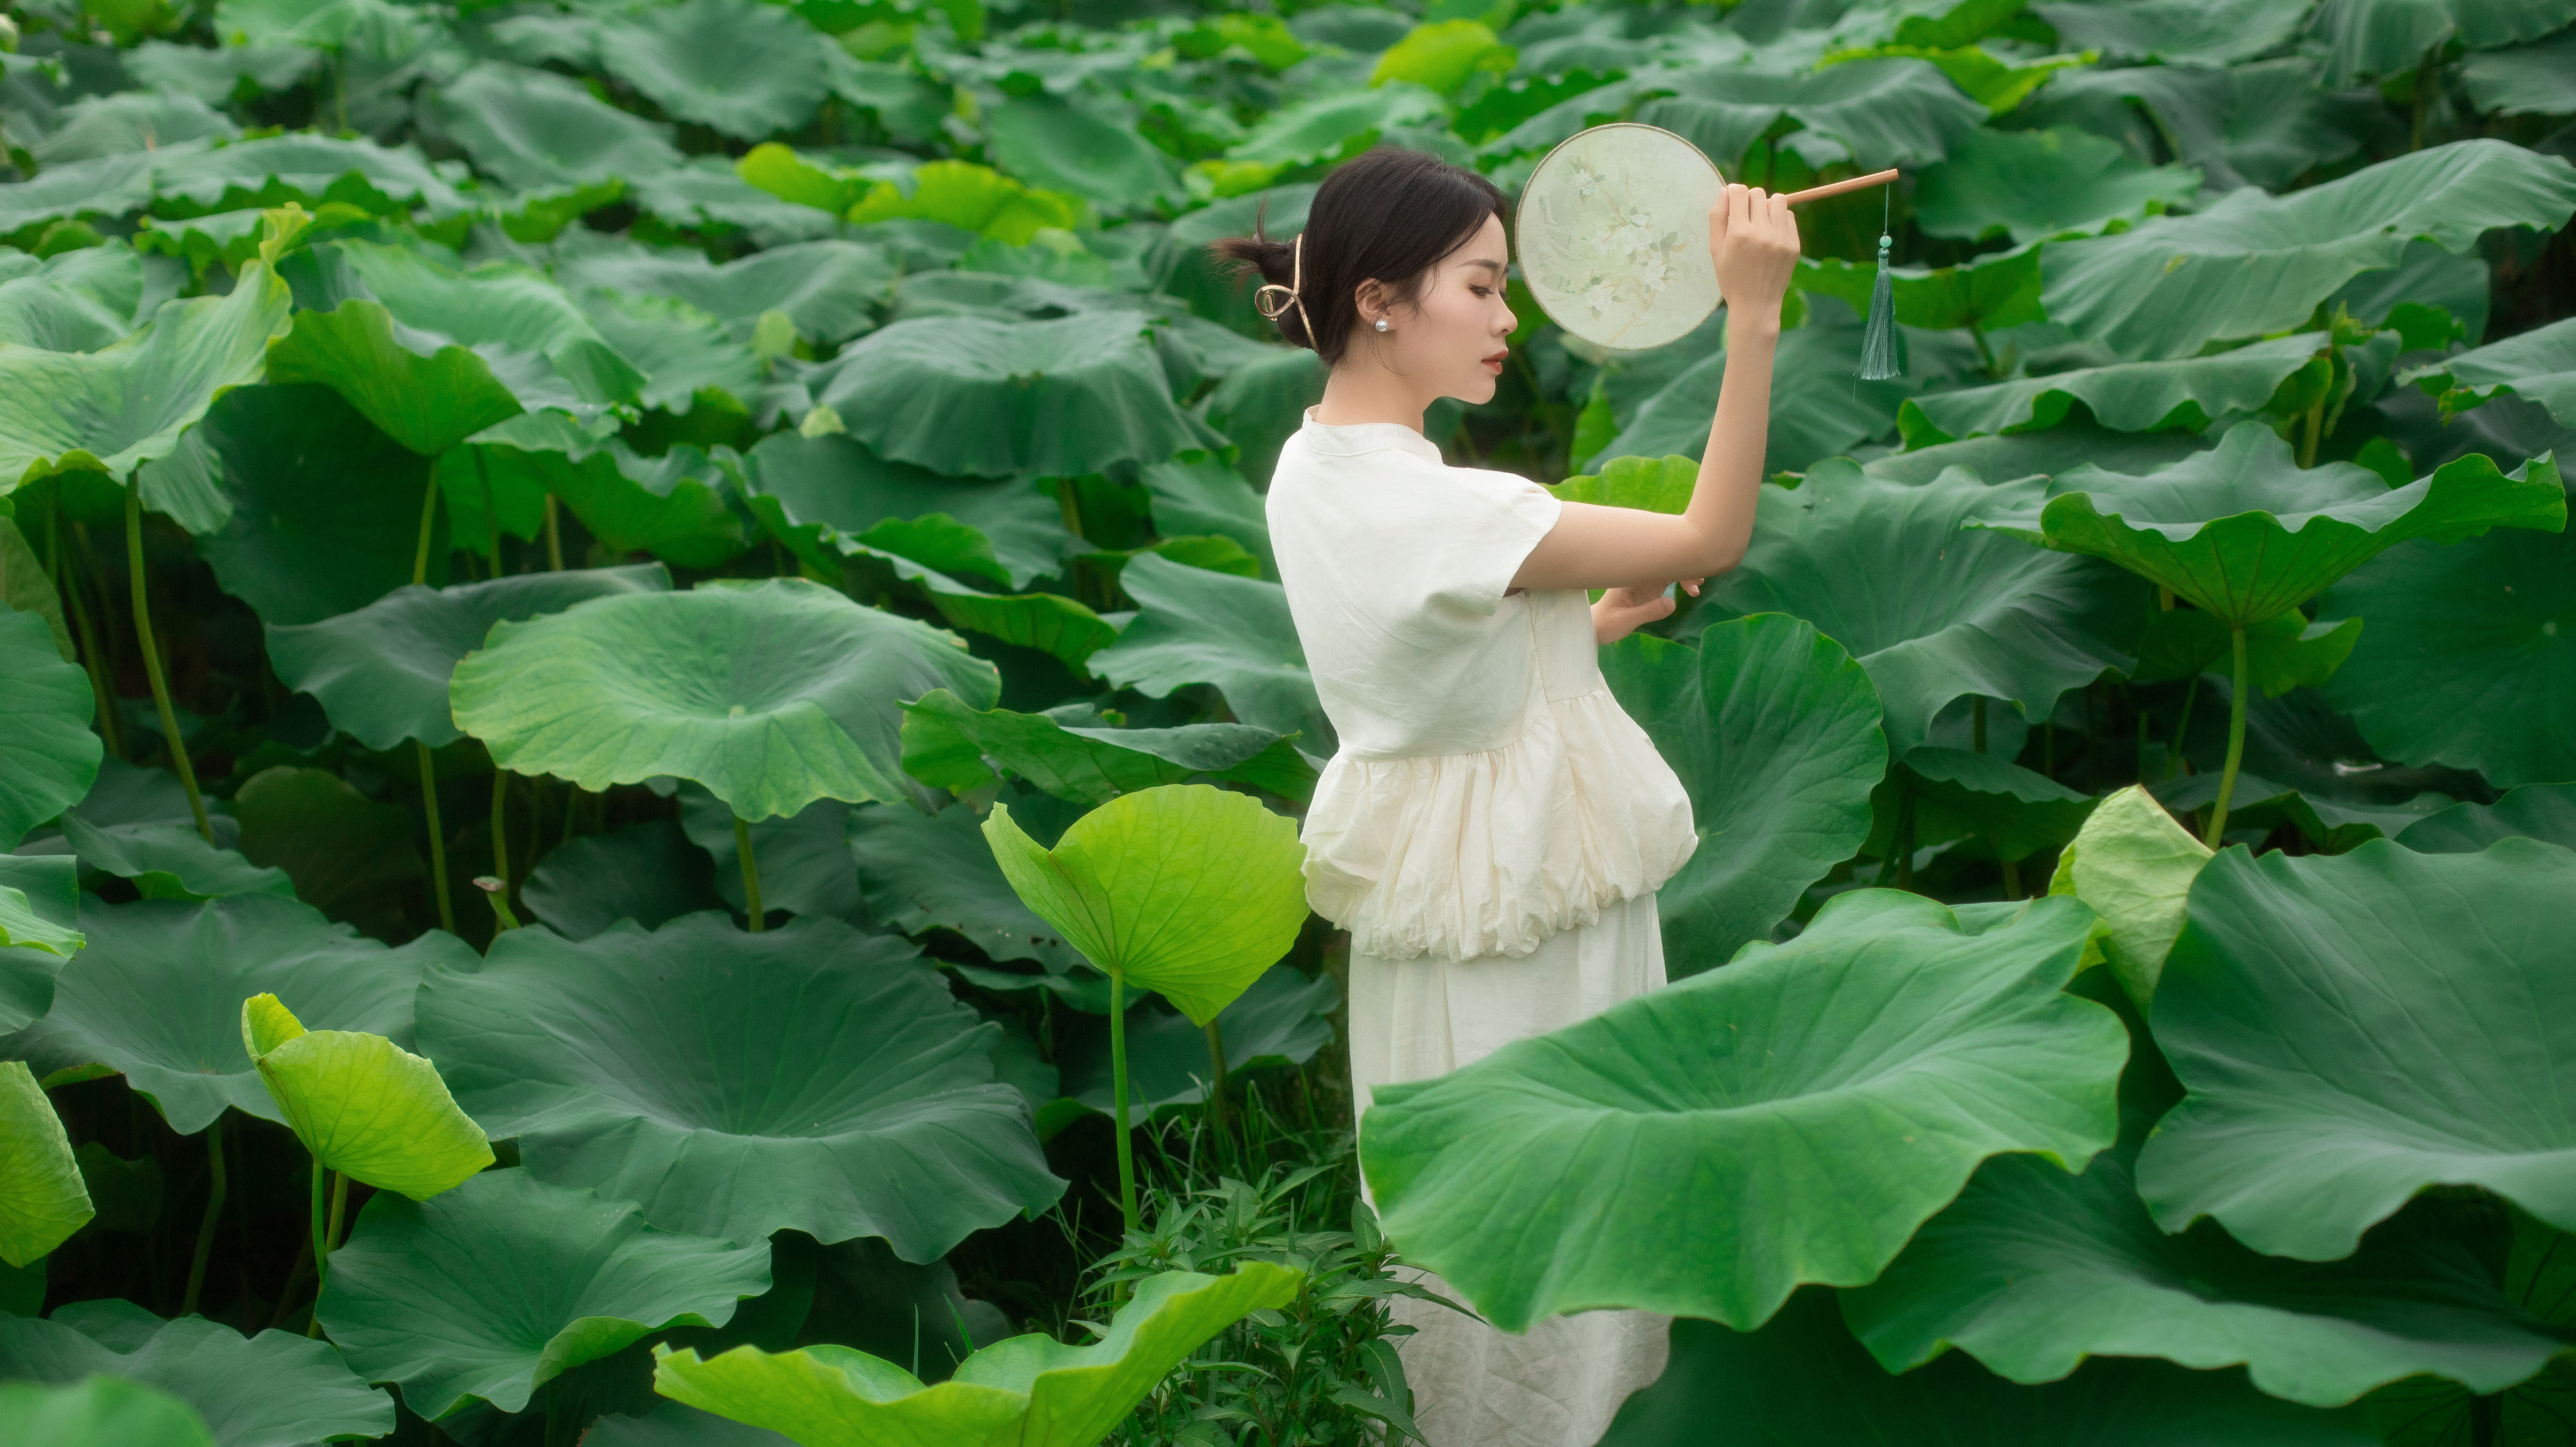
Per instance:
(321,1252)
(428,520)
(152,661)
(501,847)
(1977,723)
(2182,726)
(2308,439)
(491,509)
(437,839)
(214,1214)
(2012,878)
(1118,1092)
(90,655)
(1985,354)
(750,875)
(1216,1086)
(2235,743)
(554,535)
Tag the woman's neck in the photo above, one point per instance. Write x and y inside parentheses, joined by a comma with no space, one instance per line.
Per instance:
(1363,390)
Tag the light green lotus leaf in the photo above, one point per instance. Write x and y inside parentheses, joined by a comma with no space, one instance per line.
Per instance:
(2028,185)
(2253,264)
(2532,80)
(650,873)
(772,694)
(121,406)
(1931,611)
(42,1200)
(48,755)
(1200,626)
(673,1425)
(2134,866)
(1803,1379)
(2538,365)
(1185,889)
(426,396)
(1651,484)
(2187,394)
(306,168)
(2244,533)
(78,301)
(31,926)
(2534,811)
(1873,113)
(2001,290)
(1793,1117)
(157,995)
(276,1389)
(619,1063)
(828,290)
(1032,1391)
(691,60)
(1075,757)
(325,509)
(350,856)
(828,497)
(2353,1028)
(921,872)
(382,671)
(99,1411)
(2469,653)
(997,399)
(539,131)
(967,196)
(526,1280)
(1774,732)
(1442,55)
(362,1105)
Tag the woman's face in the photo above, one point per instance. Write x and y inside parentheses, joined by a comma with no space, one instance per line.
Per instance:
(1449,341)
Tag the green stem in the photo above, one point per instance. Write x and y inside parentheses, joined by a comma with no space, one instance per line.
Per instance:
(1985,354)
(2182,726)
(1118,1090)
(2235,743)
(2012,878)
(2308,440)
(1977,723)
(554,535)
(339,1208)
(214,1213)
(501,843)
(90,655)
(437,839)
(320,1225)
(152,661)
(491,509)
(428,520)
(1216,1085)
(750,875)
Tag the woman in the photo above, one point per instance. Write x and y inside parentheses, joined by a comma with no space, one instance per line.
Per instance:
(1494,827)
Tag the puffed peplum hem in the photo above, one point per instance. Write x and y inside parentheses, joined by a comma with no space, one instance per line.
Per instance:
(1459,855)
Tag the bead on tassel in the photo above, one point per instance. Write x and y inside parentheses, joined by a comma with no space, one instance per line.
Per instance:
(1878,332)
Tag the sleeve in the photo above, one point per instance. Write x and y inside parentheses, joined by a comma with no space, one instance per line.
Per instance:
(1486,524)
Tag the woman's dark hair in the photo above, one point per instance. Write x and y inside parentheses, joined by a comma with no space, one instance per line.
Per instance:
(1390,214)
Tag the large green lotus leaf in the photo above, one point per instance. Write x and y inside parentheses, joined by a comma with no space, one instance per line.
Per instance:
(214,75)
(679,506)
(734,1084)
(276,1389)
(1031,1391)
(381,672)
(2468,656)
(2027,185)
(303,167)
(692,59)
(803,859)
(78,301)
(2006,455)
(685,351)
(2260,124)
(2134,866)
(1186,889)
(2031,1270)
(828,290)
(157,995)
(2534,811)
(952,746)
(1283,1019)
(362,1105)
(350,856)
(1804,1379)
(1051,623)
(1793,1117)
(2538,1272)
(1205,497)
(2536,80)
(2016,812)
(428,397)
(648,872)
(1064,147)
(2539,365)
(1992,291)
(1195,625)
(325,508)
(936,871)
(107,185)
(99,1412)
(2252,263)
(996,399)
(538,344)
(772,694)
(543,132)
(42,1200)
(523,1280)
(1885,569)
(2353,1028)
(1774,732)
(2389,37)
(2282,652)
(114,409)
(2245,533)
(2178,32)
(136,824)
(48,755)
(1873,112)
(827,496)
(109,125)
(956,193)
(2186,393)
(1333,125)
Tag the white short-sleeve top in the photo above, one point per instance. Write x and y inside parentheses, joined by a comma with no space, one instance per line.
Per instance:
(1489,791)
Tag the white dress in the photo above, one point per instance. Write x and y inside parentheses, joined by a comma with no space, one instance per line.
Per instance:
(1491,832)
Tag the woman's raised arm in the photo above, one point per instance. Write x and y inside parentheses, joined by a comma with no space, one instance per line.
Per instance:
(1754,241)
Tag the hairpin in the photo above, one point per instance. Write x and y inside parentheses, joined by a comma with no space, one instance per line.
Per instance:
(1289,293)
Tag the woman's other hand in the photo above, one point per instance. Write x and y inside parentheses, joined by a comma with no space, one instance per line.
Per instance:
(1623,611)
(1753,240)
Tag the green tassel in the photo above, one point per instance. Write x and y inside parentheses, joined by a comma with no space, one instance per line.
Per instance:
(1878,333)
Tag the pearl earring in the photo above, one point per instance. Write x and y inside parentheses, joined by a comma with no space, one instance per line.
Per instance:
(1381,324)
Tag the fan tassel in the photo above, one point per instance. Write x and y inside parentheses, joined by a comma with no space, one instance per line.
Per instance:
(1878,333)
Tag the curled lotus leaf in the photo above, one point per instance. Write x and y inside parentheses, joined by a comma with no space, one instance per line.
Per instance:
(42,1198)
(275,1389)
(362,1105)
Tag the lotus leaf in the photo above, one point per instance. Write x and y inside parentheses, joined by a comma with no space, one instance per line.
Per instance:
(306,168)
(2016,812)
(821,495)
(2006,456)
(1992,291)
(1330,126)
(679,506)
(39,929)
(1642,1157)
(42,1199)
(1884,569)
(2134,866)
(157,995)
(2442,968)
(348,855)
(2389,37)
(2029,185)
(99,1412)
(275,1389)
(362,1105)
(526,1280)
(107,125)
(424,395)
(1283,1018)
(692,58)
(1198,626)
(2177,32)
(325,509)
(48,756)
(2530,81)
(921,872)
(964,195)
(2539,365)
(1063,147)
(214,75)
(952,746)
(79,301)
(2281,652)
(542,132)
(827,289)
(1030,1390)
(168,859)
(382,671)
(772,694)
(1872,113)
(2535,811)
(538,343)
(803,859)
(2188,393)
(877,1112)
(649,873)
(688,354)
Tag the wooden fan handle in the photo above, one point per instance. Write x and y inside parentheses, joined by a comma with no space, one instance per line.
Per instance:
(1836,188)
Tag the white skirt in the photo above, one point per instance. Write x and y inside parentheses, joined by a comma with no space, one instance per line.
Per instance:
(1560,1383)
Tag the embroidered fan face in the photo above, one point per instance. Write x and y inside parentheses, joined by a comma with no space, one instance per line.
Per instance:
(1614,235)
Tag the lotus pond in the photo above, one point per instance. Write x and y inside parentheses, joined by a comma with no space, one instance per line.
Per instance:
(650,750)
